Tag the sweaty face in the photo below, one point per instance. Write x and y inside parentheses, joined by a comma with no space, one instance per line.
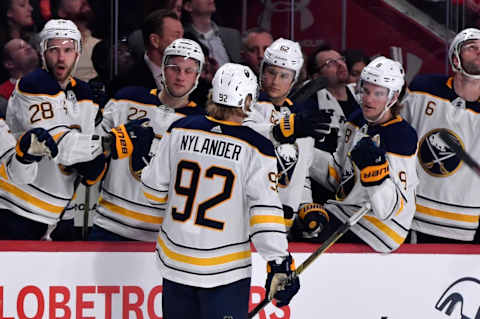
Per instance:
(256,45)
(470,55)
(374,100)
(332,65)
(20,13)
(277,81)
(180,75)
(60,57)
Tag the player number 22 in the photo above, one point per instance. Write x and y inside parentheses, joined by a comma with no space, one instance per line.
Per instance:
(190,192)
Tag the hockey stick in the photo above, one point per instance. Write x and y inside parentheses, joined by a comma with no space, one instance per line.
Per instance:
(86,211)
(461,154)
(320,250)
(307,90)
(51,228)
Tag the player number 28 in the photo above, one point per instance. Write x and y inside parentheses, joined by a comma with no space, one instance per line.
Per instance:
(190,192)
(42,111)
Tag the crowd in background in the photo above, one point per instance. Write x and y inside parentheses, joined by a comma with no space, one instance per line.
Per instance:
(140,49)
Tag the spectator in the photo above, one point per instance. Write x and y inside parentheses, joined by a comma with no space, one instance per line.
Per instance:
(356,60)
(254,43)
(448,205)
(327,62)
(80,12)
(100,59)
(224,43)
(159,29)
(19,59)
(15,20)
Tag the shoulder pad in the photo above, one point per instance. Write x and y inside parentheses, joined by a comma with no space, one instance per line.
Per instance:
(39,82)
(399,138)
(82,90)
(137,94)
(433,84)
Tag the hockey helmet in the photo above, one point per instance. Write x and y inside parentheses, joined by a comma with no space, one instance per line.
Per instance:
(456,46)
(232,84)
(186,48)
(284,53)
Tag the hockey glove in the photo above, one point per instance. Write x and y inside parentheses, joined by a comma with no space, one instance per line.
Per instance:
(282,284)
(35,144)
(127,137)
(303,124)
(91,171)
(314,219)
(329,142)
(371,161)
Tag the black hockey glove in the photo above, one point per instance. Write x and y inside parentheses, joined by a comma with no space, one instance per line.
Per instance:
(127,137)
(281,282)
(371,161)
(34,144)
(314,219)
(91,171)
(293,126)
(328,142)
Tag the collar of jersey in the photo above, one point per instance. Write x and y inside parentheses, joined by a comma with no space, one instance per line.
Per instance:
(396,119)
(223,122)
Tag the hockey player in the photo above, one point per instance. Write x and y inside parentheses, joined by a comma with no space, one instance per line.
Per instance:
(448,206)
(19,159)
(375,162)
(52,99)
(123,213)
(290,127)
(218,180)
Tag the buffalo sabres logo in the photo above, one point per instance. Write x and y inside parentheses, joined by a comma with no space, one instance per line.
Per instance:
(347,183)
(436,158)
(287,156)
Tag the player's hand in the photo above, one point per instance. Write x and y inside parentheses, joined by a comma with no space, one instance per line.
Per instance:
(314,218)
(127,137)
(303,124)
(328,142)
(282,284)
(34,145)
(371,161)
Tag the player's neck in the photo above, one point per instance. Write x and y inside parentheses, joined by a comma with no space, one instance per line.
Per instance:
(171,101)
(466,88)
(339,91)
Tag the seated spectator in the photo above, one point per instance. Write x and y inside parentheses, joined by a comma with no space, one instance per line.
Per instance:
(224,43)
(356,60)
(19,59)
(15,22)
(159,29)
(254,43)
(101,62)
(80,12)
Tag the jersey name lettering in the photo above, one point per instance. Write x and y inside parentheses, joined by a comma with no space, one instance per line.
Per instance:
(210,146)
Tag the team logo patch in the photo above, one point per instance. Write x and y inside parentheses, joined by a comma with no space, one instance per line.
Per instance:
(436,158)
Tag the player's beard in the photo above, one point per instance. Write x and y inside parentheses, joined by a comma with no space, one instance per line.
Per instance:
(66,73)
(472,67)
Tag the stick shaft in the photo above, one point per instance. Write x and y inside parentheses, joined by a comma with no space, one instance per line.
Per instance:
(325,245)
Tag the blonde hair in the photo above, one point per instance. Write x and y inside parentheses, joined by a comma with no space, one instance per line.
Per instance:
(222,112)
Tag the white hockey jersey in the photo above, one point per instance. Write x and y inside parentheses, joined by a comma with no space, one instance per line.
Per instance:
(386,226)
(448,204)
(68,115)
(122,208)
(294,159)
(10,168)
(219,181)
